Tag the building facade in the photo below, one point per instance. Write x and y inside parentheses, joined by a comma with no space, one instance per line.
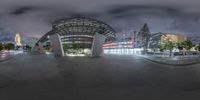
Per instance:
(158,39)
(143,37)
(78,36)
(141,42)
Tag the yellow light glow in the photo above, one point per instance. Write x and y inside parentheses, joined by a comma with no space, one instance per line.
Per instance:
(18,40)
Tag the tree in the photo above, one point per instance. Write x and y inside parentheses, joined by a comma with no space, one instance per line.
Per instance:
(9,46)
(18,47)
(65,48)
(27,48)
(197,48)
(180,46)
(168,45)
(162,49)
(75,47)
(188,44)
(1,46)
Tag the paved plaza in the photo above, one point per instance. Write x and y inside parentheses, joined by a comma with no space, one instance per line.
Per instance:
(34,76)
(5,55)
(173,60)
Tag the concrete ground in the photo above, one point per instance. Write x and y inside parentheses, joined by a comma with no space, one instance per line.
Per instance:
(5,55)
(174,60)
(44,77)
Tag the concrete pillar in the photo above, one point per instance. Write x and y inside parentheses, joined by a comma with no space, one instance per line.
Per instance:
(56,45)
(98,41)
(40,48)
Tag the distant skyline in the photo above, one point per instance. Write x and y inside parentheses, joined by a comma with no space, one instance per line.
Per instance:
(33,18)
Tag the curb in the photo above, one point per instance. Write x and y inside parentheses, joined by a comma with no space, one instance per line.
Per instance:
(2,61)
(6,59)
(186,64)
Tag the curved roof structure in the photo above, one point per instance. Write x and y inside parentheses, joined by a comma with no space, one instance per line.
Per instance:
(76,26)
(45,37)
(83,26)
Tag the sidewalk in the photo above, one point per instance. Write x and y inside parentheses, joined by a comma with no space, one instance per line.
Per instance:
(6,55)
(175,61)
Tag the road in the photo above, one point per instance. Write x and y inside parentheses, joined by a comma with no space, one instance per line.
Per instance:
(44,77)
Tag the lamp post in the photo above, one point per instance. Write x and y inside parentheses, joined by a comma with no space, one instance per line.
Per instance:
(170,47)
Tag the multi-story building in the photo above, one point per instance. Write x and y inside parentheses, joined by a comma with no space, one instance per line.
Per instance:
(142,41)
(79,36)
(131,44)
(143,37)
(158,39)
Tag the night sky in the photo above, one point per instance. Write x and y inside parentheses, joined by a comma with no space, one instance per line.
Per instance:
(33,18)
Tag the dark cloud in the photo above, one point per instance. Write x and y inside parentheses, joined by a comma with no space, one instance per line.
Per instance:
(34,17)
(86,14)
(160,19)
(120,9)
(23,10)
